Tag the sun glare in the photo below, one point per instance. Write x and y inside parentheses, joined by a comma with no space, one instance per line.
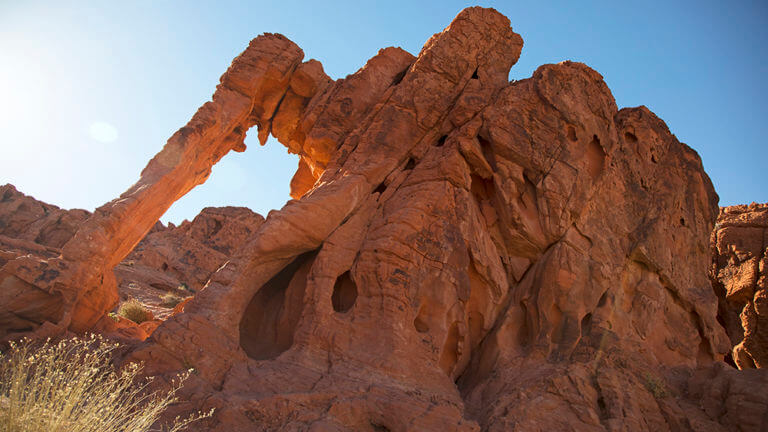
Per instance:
(103,132)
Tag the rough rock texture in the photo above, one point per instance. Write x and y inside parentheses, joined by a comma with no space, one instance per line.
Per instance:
(739,273)
(184,256)
(167,258)
(75,289)
(27,219)
(466,253)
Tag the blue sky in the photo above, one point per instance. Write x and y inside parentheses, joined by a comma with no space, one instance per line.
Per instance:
(90,91)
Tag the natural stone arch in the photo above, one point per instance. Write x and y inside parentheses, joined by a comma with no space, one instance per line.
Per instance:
(249,94)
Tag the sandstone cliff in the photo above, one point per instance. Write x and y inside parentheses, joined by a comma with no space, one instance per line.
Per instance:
(740,275)
(463,253)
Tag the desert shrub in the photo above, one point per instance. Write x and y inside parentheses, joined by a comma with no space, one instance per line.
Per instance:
(170,300)
(71,386)
(134,311)
(655,385)
(184,288)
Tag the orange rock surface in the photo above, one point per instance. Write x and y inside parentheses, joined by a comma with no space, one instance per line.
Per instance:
(740,275)
(169,260)
(463,253)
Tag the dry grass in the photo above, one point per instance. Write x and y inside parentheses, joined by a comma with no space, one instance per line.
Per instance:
(134,311)
(170,300)
(71,387)
(656,386)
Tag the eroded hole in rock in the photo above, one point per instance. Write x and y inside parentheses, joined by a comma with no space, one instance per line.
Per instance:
(344,293)
(595,158)
(682,221)
(441,141)
(380,188)
(164,266)
(420,322)
(630,137)
(474,74)
(653,158)
(411,164)
(269,321)
(572,134)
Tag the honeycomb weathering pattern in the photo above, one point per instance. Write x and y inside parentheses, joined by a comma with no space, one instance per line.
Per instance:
(466,253)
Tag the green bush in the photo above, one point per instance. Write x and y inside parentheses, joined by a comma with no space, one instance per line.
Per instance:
(71,387)
(134,311)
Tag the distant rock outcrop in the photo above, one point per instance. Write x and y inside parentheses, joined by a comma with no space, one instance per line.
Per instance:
(26,219)
(464,253)
(186,256)
(740,276)
(166,259)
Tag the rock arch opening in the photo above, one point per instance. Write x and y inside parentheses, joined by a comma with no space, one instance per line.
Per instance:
(232,178)
(269,321)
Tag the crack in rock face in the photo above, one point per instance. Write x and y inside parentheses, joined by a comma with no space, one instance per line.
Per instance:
(462,253)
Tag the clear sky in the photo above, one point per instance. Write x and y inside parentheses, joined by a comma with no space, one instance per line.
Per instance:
(91,90)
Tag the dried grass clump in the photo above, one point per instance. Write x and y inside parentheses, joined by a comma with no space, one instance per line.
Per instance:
(71,386)
(170,300)
(134,311)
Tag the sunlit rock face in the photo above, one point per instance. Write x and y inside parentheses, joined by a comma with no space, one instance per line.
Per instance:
(740,275)
(463,253)
(175,260)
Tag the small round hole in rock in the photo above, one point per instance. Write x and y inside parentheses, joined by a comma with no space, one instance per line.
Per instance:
(344,293)
(441,141)
(420,325)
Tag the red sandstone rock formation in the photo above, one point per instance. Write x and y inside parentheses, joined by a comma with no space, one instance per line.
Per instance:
(739,273)
(466,253)
(184,256)
(167,258)
(27,219)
